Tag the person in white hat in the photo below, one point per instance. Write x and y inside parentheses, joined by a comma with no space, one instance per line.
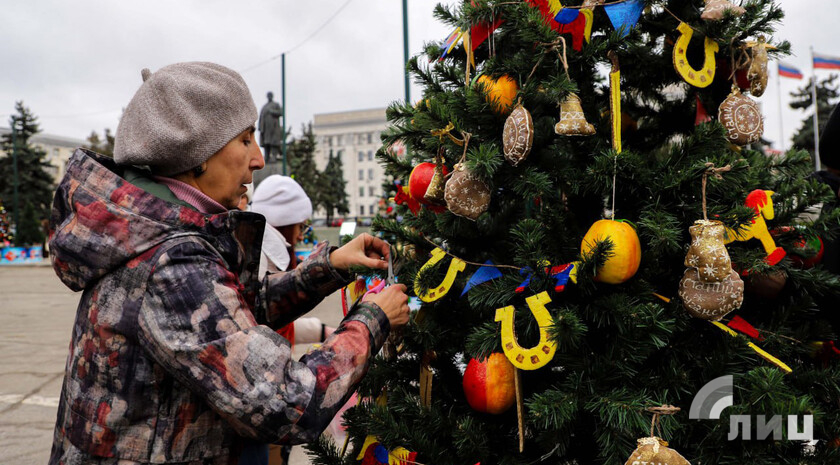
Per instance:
(286,209)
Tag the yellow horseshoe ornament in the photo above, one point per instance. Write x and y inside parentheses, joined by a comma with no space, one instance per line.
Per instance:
(697,78)
(543,352)
(434,293)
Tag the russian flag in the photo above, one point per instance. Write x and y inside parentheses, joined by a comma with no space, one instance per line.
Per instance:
(789,71)
(826,62)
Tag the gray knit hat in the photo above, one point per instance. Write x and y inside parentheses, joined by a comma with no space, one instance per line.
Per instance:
(182,115)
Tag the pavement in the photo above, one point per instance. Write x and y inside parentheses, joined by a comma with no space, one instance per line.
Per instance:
(36,318)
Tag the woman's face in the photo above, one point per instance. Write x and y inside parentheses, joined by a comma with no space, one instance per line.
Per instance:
(230,169)
(293,233)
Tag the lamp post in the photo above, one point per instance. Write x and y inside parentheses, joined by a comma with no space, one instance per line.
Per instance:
(405,51)
(16,180)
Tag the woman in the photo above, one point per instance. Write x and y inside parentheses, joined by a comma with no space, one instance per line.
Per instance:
(173,358)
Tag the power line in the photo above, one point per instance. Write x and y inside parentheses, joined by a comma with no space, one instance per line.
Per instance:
(299,45)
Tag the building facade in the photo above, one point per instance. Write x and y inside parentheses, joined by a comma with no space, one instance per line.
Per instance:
(354,137)
(58,148)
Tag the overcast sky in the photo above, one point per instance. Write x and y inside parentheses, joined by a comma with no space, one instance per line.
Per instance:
(76,64)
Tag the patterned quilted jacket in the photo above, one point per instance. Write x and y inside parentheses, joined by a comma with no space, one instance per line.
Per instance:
(173,358)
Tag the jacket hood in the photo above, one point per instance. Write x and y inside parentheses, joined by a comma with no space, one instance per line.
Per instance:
(100,222)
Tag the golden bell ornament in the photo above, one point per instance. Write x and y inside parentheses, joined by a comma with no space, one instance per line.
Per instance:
(572,120)
(707,252)
(715,9)
(434,193)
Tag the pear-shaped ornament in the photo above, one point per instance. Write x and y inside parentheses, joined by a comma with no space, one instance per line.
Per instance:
(655,451)
(715,9)
(707,252)
(757,72)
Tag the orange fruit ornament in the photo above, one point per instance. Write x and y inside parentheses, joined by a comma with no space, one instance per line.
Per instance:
(489,384)
(500,92)
(626,251)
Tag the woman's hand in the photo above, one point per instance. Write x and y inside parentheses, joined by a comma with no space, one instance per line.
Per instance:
(364,250)
(394,302)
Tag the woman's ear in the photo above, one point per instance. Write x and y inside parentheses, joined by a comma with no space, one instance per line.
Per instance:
(200,169)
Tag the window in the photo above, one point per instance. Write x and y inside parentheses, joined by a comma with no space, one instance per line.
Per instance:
(339,140)
(361,209)
(361,156)
(329,141)
(361,175)
(362,191)
(371,191)
(370,138)
(370,155)
(370,173)
(371,211)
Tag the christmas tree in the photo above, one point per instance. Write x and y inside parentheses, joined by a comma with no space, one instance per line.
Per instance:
(572,119)
(5,233)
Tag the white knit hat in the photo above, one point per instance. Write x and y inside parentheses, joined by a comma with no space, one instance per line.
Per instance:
(282,201)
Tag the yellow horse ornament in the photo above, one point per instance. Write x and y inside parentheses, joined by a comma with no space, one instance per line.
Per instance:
(761,202)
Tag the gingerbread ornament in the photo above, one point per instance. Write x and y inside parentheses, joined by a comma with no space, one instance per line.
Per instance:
(741,117)
(518,136)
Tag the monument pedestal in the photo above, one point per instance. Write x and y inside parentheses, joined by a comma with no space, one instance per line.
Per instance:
(271,167)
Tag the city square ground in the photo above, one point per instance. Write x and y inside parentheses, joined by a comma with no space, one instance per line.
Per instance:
(36,317)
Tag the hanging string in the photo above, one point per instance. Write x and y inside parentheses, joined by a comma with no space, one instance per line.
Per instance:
(466,136)
(743,59)
(657,412)
(472,263)
(551,47)
(716,172)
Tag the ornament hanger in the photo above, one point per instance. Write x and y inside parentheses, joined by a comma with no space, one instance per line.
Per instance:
(715,172)
(657,412)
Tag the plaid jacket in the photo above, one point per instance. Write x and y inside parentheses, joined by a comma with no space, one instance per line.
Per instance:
(173,358)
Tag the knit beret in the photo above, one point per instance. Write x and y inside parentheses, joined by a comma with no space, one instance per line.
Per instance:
(282,201)
(830,140)
(182,115)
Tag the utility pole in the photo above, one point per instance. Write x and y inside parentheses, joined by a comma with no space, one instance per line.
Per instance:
(816,113)
(405,50)
(285,110)
(15,171)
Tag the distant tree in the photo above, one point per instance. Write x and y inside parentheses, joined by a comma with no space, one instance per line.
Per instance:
(332,188)
(105,147)
(35,184)
(827,94)
(301,155)
(30,231)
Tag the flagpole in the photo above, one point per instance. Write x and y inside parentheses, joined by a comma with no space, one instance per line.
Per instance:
(779,95)
(816,112)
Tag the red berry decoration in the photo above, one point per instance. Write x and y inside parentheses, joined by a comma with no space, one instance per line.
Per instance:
(489,384)
(808,251)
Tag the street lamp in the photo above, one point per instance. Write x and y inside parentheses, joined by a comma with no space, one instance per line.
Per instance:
(15,122)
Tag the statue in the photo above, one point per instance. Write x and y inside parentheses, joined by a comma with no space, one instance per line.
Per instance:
(271,133)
